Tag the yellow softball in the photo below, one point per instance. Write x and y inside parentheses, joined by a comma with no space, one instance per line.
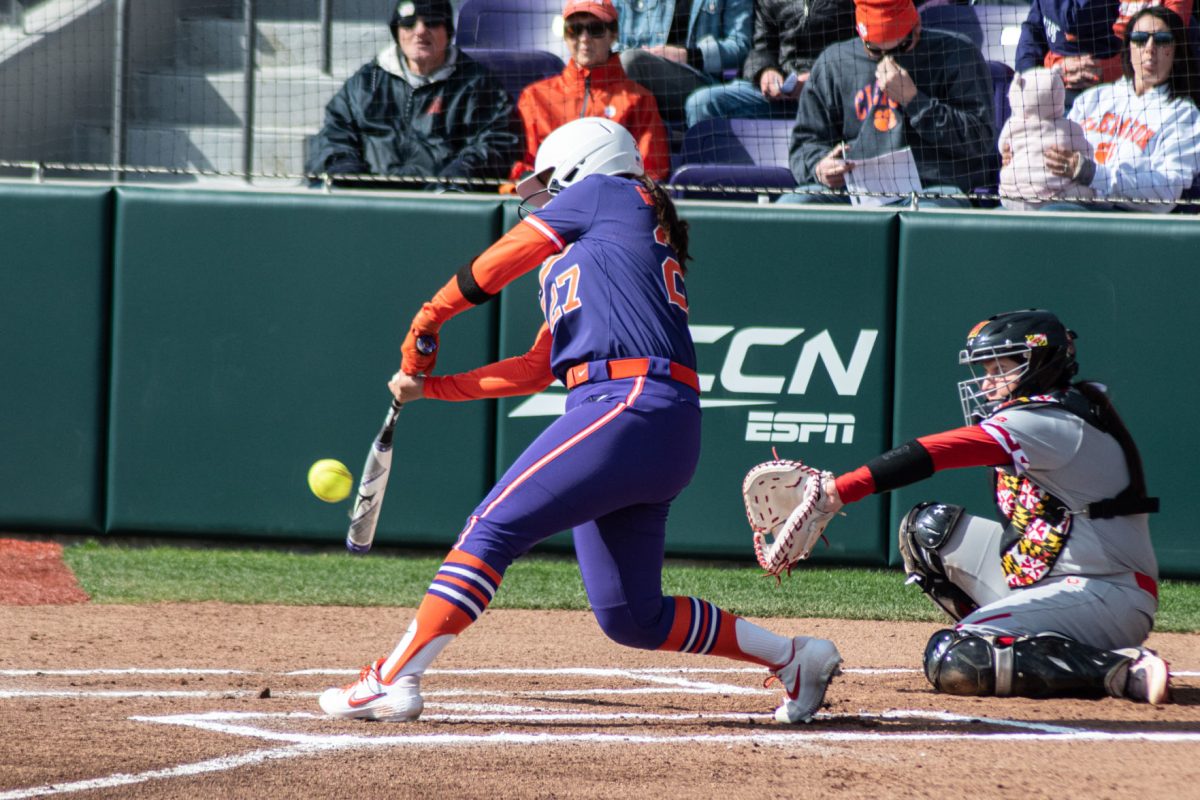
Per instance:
(330,480)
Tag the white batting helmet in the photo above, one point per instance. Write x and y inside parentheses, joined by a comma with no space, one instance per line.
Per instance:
(582,147)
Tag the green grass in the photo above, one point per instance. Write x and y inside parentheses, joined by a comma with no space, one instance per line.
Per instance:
(175,574)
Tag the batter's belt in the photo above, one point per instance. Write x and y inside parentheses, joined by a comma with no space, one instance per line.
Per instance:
(612,369)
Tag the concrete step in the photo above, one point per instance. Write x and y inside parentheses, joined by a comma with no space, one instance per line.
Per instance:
(283,98)
(278,152)
(207,44)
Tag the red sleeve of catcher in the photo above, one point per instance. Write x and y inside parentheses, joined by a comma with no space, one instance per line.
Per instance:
(511,377)
(968,446)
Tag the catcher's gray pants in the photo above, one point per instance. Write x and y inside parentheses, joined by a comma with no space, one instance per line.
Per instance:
(1106,612)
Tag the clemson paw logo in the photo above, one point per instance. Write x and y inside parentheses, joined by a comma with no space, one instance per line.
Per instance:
(884,119)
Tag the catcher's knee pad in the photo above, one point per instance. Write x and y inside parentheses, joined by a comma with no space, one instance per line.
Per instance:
(960,663)
(923,532)
(1046,665)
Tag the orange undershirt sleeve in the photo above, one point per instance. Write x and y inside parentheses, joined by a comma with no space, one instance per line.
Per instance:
(522,375)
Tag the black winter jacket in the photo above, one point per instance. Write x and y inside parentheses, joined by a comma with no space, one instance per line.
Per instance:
(377,124)
(790,34)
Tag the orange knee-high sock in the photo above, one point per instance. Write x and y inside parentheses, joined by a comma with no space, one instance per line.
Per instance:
(703,628)
(459,594)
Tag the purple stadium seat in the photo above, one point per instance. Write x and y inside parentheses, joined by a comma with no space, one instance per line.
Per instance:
(510,25)
(993,29)
(955,19)
(1002,75)
(734,153)
(516,69)
(726,178)
(760,142)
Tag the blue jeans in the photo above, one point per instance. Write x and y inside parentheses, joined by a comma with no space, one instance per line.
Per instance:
(844,199)
(737,99)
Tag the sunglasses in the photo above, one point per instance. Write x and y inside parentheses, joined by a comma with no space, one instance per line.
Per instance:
(408,23)
(905,45)
(1142,38)
(595,29)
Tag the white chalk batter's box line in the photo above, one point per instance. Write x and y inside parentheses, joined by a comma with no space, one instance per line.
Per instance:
(599,672)
(297,744)
(266,726)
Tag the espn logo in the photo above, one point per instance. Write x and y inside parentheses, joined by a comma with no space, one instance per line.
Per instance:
(786,426)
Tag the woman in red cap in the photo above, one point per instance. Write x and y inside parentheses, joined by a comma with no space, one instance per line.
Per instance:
(593,85)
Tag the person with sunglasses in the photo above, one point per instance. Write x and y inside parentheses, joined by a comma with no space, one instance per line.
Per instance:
(421,108)
(895,87)
(1143,130)
(593,84)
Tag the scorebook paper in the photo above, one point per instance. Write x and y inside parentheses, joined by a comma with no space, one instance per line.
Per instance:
(894,173)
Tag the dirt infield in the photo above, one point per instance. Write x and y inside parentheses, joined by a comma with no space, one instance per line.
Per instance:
(33,572)
(211,700)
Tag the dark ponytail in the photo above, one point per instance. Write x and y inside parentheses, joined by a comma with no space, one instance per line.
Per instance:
(1111,422)
(668,218)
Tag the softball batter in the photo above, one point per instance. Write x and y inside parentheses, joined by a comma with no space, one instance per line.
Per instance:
(612,256)
(1058,597)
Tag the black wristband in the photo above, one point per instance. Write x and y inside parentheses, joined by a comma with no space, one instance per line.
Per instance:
(908,463)
(469,288)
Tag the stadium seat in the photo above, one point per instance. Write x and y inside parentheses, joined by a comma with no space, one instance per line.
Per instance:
(734,153)
(511,25)
(726,179)
(955,19)
(994,29)
(1002,75)
(516,69)
(760,142)
(1191,193)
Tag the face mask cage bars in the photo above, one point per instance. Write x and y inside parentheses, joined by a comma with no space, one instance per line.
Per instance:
(971,392)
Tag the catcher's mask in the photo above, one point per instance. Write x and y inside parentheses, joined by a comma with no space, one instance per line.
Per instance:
(581,147)
(1042,347)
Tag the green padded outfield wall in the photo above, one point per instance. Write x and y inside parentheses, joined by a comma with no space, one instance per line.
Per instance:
(805,371)
(255,333)
(1126,285)
(54,297)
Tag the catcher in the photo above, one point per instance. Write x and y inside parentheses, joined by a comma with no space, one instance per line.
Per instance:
(1057,598)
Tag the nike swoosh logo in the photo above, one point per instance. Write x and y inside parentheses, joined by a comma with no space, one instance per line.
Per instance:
(355,702)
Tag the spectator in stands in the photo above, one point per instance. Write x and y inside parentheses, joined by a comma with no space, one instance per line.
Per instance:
(1144,130)
(788,37)
(421,108)
(1182,9)
(896,86)
(673,47)
(592,85)
(1074,36)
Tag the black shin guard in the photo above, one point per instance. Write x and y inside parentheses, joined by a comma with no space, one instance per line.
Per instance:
(922,533)
(1047,665)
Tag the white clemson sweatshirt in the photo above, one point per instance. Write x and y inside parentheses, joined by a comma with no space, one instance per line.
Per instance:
(1145,148)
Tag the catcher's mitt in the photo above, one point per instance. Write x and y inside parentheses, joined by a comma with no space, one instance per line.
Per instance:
(788,510)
